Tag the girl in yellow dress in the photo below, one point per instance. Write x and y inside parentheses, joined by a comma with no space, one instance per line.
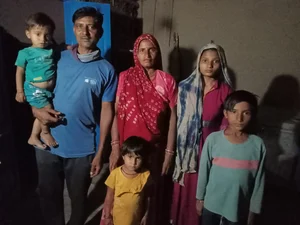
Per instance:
(128,186)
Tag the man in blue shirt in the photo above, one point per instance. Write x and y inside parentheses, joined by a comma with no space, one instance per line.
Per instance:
(85,83)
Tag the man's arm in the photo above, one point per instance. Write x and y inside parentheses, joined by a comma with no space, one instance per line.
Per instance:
(106,119)
(46,115)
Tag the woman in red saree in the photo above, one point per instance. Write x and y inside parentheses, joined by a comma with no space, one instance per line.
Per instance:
(146,107)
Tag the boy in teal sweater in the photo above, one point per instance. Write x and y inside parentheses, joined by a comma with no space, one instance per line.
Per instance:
(231,175)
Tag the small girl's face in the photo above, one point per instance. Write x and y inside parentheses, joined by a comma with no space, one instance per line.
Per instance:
(40,36)
(209,63)
(239,117)
(132,161)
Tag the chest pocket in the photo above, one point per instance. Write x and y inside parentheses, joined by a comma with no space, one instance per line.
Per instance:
(91,85)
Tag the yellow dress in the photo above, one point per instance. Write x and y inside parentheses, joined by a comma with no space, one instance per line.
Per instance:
(128,206)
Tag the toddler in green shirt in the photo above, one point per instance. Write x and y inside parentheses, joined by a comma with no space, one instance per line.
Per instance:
(35,75)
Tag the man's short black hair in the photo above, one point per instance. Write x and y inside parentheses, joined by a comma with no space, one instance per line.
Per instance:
(88,11)
(40,19)
(242,96)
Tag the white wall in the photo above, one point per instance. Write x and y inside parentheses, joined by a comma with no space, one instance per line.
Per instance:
(260,37)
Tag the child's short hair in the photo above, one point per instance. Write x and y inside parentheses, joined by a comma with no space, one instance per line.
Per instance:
(136,145)
(40,19)
(242,96)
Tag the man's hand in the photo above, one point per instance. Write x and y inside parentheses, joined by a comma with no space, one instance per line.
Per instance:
(199,207)
(114,157)
(96,166)
(20,97)
(46,115)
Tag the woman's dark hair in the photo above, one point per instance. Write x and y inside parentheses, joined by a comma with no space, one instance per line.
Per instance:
(242,96)
(40,19)
(88,11)
(137,145)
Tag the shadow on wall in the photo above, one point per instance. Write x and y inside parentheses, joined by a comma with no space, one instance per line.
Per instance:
(125,30)
(279,120)
(22,119)
(181,62)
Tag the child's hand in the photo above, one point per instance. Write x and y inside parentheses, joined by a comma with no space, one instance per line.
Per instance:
(108,221)
(20,97)
(199,207)
(251,217)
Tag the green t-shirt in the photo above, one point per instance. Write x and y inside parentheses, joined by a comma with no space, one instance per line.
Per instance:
(231,176)
(39,64)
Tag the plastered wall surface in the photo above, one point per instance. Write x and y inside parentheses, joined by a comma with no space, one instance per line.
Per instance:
(260,37)
(13,14)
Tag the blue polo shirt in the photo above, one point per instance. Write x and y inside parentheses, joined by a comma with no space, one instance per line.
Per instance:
(80,89)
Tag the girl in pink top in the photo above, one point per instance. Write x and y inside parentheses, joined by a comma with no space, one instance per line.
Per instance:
(200,112)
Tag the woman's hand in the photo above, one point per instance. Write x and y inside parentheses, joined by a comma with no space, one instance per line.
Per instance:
(199,207)
(167,163)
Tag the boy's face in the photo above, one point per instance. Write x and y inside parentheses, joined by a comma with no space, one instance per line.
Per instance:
(132,162)
(40,36)
(239,117)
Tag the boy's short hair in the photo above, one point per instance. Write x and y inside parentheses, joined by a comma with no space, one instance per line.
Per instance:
(88,11)
(40,19)
(136,145)
(242,96)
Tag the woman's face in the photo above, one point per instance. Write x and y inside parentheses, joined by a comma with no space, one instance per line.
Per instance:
(209,63)
(147,54)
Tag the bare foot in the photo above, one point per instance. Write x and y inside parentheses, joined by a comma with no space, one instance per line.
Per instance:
(48,139)
(35,141)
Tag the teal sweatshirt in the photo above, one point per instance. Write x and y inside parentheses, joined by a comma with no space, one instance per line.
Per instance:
(231,176)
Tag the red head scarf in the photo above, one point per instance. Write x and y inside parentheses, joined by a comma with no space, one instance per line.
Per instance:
(140,104)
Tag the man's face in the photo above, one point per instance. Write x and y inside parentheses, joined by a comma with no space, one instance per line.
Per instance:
(87,32)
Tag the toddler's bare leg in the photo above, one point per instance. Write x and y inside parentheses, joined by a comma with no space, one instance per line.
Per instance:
(35,135)
(46,135)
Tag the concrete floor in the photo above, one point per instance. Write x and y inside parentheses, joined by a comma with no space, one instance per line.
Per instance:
(27,211)
(281,205)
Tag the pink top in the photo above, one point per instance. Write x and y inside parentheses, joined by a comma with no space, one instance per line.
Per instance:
(213,110)
(164,84)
